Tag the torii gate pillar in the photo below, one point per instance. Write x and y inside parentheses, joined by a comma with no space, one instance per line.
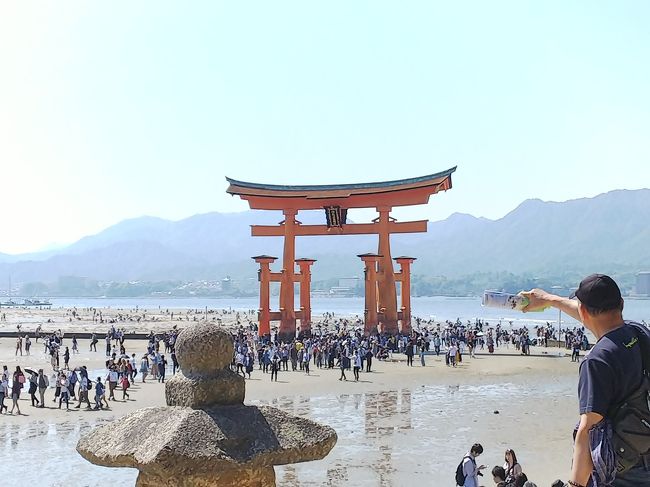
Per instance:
(404,277)
(370,315)
(305,295)
(264,276)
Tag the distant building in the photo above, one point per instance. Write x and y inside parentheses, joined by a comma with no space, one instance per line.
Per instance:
(643,283)
(226,284)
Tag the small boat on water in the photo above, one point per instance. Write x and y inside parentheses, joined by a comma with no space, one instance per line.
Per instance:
(27,303)
(37,302)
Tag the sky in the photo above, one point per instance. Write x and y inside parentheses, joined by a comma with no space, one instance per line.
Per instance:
(114,110)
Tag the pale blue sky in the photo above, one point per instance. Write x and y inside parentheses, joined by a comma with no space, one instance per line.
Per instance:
(114,110)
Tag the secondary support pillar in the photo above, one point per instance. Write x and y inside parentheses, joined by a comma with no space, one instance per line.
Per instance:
(405,278)
(287,330)
(371,262)
(305,295)
(264,276)
(386,276)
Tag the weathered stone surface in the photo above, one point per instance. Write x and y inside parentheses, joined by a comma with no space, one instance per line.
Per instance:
(223,388)
(244,477)
(205,436)
(203,349)
(180,442)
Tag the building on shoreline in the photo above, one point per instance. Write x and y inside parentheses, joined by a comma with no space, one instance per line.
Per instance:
(643,283)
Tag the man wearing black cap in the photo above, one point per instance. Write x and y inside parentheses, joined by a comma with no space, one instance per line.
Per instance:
(610,372)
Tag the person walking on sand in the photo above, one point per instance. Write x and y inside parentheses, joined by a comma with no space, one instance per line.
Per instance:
(93,343)
(422,357)
(66,358)
(144,367)
(124,382)
(409,353)
(19,346)
(43,383)
(453,349)
(250,362)
(99,393)
(33,387)
(162,366)
(356,360)
(275,367)
(343,364)
(84,386)
(133,369)
(65,392)
(16,386)
(369,360)
(111,378)
(4,391)
(28,344)
(306,358)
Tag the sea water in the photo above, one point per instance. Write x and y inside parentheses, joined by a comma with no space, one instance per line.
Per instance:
(438,308)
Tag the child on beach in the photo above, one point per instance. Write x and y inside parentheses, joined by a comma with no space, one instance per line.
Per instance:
(124,382)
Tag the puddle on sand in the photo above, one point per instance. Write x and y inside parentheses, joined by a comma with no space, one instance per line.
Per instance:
(389,438)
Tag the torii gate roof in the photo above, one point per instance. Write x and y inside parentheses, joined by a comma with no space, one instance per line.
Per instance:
(401,192)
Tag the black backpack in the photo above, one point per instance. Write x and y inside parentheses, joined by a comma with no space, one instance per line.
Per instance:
(460,475)
(631,419)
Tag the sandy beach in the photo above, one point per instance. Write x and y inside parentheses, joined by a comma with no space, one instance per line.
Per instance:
(397,425)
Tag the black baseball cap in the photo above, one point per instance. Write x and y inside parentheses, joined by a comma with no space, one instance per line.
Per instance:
(599,291)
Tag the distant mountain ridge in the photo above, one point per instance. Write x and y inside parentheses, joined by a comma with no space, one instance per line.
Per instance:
(604,233)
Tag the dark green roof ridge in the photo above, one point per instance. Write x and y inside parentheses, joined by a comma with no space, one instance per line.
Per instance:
(329,187)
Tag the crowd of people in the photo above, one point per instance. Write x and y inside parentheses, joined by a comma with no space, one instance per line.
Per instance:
(510,474)
(74,384)
(335,344)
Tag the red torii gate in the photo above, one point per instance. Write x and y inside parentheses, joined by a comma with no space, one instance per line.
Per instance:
(381,293)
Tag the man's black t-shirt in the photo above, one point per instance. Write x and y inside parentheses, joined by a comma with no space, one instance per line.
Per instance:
(611,371)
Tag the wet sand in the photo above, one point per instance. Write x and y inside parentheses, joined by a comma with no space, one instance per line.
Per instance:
(398,426)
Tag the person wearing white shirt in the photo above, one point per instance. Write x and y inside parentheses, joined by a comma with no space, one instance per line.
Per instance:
(470,470)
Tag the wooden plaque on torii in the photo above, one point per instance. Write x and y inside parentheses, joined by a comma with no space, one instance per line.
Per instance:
(381,313)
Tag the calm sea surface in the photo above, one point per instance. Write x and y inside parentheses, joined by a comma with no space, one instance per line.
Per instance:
(438,308)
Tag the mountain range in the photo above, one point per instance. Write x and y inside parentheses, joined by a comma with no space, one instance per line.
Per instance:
(608,233)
